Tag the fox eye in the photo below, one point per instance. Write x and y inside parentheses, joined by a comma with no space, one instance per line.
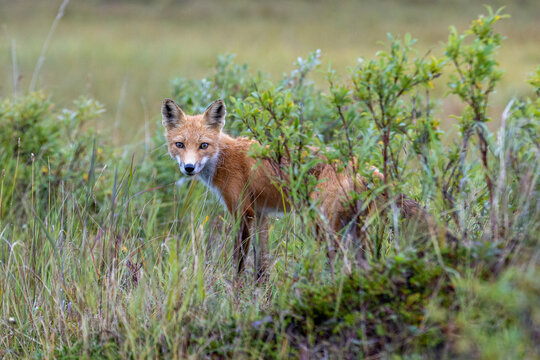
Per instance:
(179,145)
(203,146)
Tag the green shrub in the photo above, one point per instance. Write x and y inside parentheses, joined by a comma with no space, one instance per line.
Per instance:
(43,149)
(382,309)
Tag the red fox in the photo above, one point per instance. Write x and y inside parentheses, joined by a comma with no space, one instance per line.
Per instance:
(222,163)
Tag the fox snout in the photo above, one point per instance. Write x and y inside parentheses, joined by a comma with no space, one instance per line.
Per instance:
(191,167)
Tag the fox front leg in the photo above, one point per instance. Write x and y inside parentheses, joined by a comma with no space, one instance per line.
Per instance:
(241,245)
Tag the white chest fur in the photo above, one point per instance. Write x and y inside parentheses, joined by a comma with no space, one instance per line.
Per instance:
(206,176)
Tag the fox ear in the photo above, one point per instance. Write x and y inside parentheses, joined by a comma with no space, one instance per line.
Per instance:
(172,115)
(215,114)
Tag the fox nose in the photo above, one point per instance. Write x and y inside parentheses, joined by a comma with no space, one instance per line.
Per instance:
(189,168)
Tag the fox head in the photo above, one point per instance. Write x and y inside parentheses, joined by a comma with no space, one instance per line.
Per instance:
(193,140)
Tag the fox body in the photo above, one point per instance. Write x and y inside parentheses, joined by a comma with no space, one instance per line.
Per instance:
(222,163)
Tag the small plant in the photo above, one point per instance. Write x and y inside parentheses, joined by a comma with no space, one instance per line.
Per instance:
(380,87)
(474,79)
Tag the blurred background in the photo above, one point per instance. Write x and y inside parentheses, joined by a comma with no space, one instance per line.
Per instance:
(124,53)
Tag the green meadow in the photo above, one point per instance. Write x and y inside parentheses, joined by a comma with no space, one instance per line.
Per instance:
(103,254)
(124,54)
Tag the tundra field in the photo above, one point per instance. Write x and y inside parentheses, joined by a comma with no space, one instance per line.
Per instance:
(103,254)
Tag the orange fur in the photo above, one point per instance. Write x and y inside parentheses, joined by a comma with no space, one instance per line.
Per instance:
(247,191)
